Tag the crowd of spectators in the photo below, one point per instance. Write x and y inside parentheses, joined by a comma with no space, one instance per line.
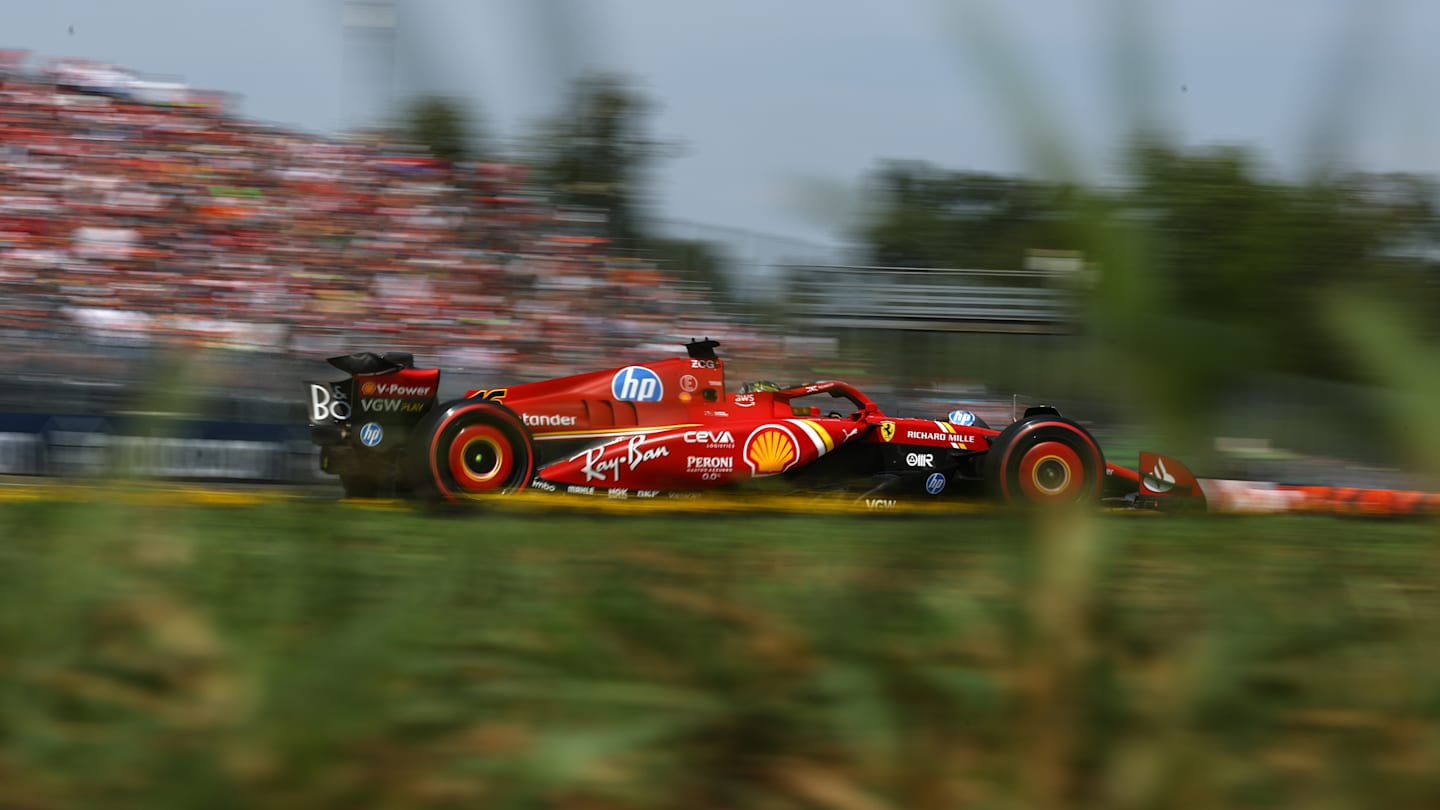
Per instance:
(132,221)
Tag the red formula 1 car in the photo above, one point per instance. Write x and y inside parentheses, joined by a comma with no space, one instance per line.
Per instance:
(673,427)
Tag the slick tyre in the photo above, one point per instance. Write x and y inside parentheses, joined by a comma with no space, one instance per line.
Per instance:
(469,448)
(1044,460)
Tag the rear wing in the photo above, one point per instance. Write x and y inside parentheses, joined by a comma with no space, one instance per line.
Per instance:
(376,406)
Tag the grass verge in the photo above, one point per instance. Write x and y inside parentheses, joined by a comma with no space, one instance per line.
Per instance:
(310,655)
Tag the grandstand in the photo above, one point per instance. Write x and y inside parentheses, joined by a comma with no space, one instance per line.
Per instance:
(133,222)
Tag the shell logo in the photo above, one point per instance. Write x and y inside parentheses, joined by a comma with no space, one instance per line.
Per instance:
(367,389)
(770,450)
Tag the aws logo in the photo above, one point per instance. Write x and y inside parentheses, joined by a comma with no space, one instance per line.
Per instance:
(771,450)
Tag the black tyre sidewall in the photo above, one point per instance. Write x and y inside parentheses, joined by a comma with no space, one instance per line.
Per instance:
(427,458)
(1002,463)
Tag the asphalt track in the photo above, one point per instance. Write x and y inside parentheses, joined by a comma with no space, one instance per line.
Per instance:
(19,490)
(1235,497)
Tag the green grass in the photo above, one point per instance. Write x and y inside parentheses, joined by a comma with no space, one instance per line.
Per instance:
(319,656)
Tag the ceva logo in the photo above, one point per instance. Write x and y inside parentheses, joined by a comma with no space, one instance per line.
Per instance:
(636,384)
(723,438)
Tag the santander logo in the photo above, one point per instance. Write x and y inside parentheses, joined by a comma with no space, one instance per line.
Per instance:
(1159,480)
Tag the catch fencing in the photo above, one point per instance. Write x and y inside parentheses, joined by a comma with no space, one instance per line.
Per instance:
(997,301)
(68,445)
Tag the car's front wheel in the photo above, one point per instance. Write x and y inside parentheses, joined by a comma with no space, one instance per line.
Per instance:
(470,447)
(1044,459)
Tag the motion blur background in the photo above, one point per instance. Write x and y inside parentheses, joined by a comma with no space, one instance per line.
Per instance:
(1204,227)
(1182,218)
(1198,221)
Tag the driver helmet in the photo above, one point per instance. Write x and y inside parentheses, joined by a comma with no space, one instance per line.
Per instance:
(758,385)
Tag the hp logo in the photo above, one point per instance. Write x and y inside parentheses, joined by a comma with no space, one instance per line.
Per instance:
(636,384)
(935,484)
(961,418)
(371,434)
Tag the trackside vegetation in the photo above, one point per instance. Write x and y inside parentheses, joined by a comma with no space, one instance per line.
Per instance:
(321,655)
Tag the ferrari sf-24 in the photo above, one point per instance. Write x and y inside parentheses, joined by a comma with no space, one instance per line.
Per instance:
(674,428)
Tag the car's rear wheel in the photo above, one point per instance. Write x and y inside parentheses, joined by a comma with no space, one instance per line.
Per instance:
(468,448)
(1044,459)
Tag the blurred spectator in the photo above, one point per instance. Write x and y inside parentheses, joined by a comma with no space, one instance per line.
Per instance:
(139,213)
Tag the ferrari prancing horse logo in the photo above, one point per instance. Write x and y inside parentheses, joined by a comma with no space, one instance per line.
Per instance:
(887,430)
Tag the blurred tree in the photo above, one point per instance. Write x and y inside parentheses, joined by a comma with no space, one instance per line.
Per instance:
(1228,251)
(691,259)
(443,126)
(924,216)
(596,152)
(1243,251)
